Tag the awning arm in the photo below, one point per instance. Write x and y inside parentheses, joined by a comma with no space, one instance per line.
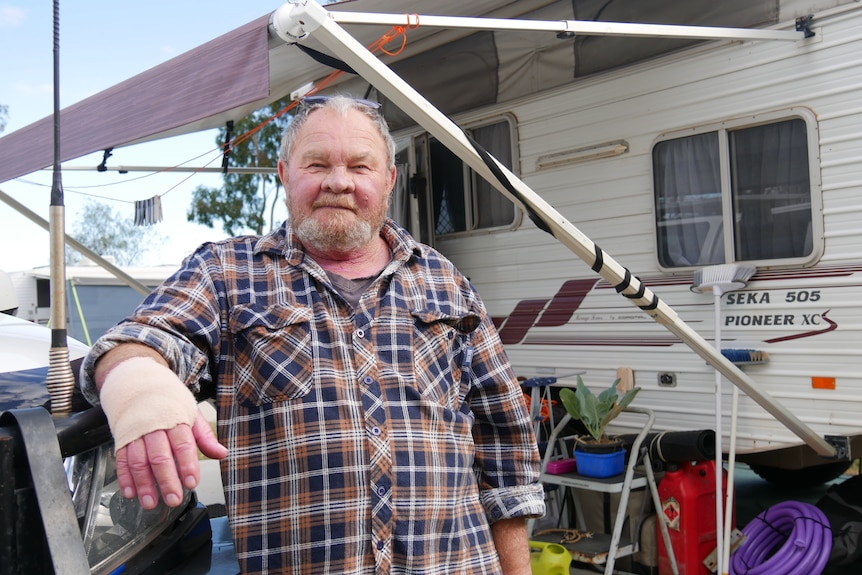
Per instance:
(570,27)
(294,21)
(39,220)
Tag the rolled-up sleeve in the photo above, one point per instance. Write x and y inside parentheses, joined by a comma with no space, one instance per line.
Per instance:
(507,457)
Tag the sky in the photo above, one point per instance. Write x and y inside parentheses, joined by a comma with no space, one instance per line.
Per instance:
(103,42)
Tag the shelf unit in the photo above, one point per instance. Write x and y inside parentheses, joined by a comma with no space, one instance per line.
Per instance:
(604,548)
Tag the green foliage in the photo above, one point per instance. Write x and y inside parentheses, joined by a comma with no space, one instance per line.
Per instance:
(242,202)
(596,411)
(108,233)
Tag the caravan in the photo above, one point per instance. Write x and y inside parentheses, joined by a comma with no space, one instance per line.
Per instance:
(673,156)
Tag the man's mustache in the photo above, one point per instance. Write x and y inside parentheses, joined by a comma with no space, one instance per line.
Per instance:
(343,202)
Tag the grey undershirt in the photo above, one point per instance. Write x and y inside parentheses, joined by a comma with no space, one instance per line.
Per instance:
(350,289)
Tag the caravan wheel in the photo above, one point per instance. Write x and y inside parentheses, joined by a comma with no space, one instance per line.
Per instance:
(805,477)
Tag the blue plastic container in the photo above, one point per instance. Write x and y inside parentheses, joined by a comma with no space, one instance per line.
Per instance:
(600,464)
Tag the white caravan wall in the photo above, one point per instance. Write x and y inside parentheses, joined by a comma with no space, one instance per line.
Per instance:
(611,201)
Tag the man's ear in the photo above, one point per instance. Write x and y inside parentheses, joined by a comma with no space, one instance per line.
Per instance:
(393,176)
(282,172)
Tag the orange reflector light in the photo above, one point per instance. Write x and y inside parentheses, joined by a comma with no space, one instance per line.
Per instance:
(823,382)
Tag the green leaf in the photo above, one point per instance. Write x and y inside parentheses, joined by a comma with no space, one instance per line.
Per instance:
(570,402)
(591,410)
(596,412)
(608,398)
(626,399)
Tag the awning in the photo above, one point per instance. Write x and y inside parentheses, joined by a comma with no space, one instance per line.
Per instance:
(230,72)
(225,79)
(242,71)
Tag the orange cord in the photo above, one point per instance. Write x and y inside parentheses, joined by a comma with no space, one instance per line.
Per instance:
(546,407)
(394,33)
(377,45)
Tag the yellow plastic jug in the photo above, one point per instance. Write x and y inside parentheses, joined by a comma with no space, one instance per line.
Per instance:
(549,558)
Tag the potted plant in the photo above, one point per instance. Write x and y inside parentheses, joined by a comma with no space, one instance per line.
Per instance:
(597,455)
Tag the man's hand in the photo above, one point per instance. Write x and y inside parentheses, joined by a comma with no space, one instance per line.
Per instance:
(161,457)
(165,461)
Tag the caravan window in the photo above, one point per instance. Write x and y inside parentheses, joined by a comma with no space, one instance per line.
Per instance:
(462,201)
(737,192)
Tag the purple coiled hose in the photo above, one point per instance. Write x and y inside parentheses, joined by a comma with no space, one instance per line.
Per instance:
(789,538)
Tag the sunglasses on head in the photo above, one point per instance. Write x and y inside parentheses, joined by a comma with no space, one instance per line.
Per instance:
(316,100)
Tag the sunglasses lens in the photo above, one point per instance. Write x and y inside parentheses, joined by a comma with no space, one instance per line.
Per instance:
(317,100)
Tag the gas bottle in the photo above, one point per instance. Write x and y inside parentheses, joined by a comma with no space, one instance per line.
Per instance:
(549,558)
(687,494)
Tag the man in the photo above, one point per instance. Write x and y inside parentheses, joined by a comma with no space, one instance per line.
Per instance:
(371,420)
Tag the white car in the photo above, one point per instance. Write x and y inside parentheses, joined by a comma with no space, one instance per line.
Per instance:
(24,352)
(117,535)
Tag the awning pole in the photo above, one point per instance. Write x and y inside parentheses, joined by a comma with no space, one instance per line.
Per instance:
(90,254)
(294,21)
(579,27)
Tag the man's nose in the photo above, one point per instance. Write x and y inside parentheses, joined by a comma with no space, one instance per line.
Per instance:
(338,179)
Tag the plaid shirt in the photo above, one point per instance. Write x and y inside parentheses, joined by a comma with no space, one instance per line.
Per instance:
(381,439)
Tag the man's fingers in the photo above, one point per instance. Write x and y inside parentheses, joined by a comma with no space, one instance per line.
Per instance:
(124,475)
(166,450)
(143,479)
(185,451)
(206,439)
(161,462)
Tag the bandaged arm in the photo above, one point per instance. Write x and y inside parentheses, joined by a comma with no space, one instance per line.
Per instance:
(140,394)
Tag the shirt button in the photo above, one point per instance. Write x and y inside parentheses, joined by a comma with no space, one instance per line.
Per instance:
(375,430)
(368,380)
(380,545)
(360,333)
(381,491)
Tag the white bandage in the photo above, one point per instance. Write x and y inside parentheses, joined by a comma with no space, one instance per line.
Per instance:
(140,396)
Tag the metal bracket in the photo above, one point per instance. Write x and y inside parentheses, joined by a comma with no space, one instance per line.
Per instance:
(39,437)
(803,24)
(841,443)
(288,24)
(737,538)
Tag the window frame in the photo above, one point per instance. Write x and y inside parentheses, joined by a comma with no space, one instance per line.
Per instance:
(471,179)
(722,130)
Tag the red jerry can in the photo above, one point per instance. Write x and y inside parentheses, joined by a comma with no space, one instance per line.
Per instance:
(687,494)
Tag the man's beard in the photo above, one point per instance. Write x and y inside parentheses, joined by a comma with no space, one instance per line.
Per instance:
(341,232)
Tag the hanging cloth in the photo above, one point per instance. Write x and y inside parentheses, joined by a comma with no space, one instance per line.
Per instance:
(148,212)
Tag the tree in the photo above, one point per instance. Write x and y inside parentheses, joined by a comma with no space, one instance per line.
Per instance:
(4,115)
(108,233)
(241,204)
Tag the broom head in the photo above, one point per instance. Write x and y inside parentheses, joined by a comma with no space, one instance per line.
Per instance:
(721,278)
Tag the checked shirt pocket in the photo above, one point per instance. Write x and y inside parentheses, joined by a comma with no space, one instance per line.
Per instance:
(442,353)
(274,360)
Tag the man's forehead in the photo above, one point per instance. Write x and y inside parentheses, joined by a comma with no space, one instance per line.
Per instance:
(326,134)
(328,119)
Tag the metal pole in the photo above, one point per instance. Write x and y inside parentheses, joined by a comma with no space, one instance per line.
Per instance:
(293,22)
(579,27)
(174,169)
(102,262)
